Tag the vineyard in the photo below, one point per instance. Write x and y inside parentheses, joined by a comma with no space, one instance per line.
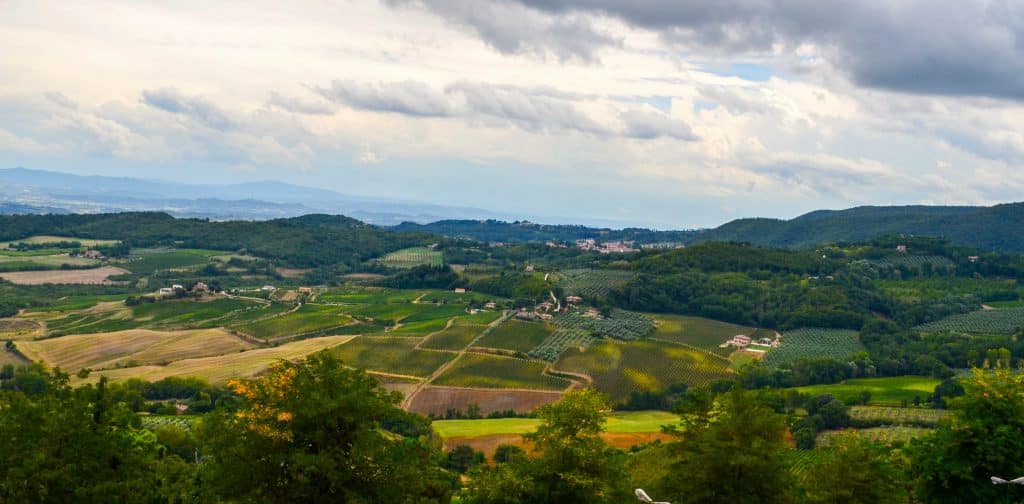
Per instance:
(490,371)
(618,369)
(391,355)
(813,343)
(594,283)
(801,463)
(517,335)
(559,341)
(412,257)
(915,262)
(1001,321)
(622,325)
(153,422)
(899,416)
(888,436)
(702,333)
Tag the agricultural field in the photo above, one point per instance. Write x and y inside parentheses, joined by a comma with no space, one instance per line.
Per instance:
(916,262)
(18,329)
(888,436)
(517,335)
(593,283)
(1005,321)
(219,369)
(941,288)
(307,319)
(458,297)
(623,421)
(148,261)
(456,337)
(136,347)
(421,328)
(412,257)
(621,325)
(183,422)
(41,239)
(889,391)
(370,295)
(491,371)
(391,355)
(434,312)
(437,401)
(388,312)
(618,369)
(94,276)
(814,343)
(698,332)
(899,416)
(801,462)
(559,341)
(19,261)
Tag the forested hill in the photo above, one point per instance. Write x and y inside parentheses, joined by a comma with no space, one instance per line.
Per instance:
(306,242)
(500,231)
(998,228)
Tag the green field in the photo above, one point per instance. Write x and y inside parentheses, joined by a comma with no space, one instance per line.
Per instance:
(628,421)
(171,314)
(813,343)
(939,288)
(884,391)
(491,371)
(517,335)
(618,369)
(309,318)
(412,257)
(421,328)
(370,295)
(899,416)
(389,312)
(1002,321)
(391,355)
(436,312)
(593,283)
(457,297)
(699,332)
(883,435)
(38,261)
(456,337)
(147,261)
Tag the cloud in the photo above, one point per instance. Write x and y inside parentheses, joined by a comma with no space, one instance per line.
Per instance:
(944,47)
(298,105)
(648,123)
(526,108)
(171,100)
(407,97)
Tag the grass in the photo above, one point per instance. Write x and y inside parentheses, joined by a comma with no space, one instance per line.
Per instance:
(145,262)
(42,261)
(222,368)
(412,257)
(618,369)
(309,318)
(136,347)
(391,355)
(699,332)
(812,343)
(390,312)
(517,335)
(629,421)
(490,371)
(940,288)
(884,391)
(421,328)
(456,337)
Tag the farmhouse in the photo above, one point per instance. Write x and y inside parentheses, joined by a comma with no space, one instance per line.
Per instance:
(740,341)
(460,290)
(93,254)
(305,290)
(901,249)
(573,300)
(491,305)
(178,287)
(973,259)
(545,316)
(268,288)
(165,291)
(529,268)
(200,287)
(526,315)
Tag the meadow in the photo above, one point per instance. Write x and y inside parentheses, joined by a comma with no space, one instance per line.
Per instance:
(890,391)
(456,337)
(626,421)
(412,257)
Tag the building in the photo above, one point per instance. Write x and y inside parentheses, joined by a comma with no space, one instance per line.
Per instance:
(491,305)
(165,291)
(973,259)
(901,249)
(200,287)
(545,316)
(740,341)
(529,268)
(460,290)
(305,290)
(93,254)
(268,288)
(178,287)
(573,299)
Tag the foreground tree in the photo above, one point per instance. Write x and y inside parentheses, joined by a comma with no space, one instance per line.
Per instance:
(985,438)
(319,432)
(853,470)
(572,464)
(732,451)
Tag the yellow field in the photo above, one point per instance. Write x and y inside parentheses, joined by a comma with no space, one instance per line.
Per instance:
(54,239)
(137,347)
(222,368)
(87,276)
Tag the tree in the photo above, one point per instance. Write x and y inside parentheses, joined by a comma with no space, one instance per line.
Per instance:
(462,458)
(508,453)
(316,431)
(853,471)
(731,452)
(985,438)
(573,464)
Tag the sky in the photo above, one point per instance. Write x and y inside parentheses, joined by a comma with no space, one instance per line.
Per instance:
(664,113)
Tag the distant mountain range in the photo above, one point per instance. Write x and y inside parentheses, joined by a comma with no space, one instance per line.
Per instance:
(38,191)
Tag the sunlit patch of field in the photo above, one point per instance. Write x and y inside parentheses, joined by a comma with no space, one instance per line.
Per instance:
(85,276)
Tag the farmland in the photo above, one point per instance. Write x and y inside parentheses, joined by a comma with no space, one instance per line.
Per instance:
(433,400)
(884,391)
(391,355)
(79,276)
(456,337)
(1004,321)
(618,369)
(698,332)
(814,343)
(888,436)
(148,261)
(899,416)
(135,347)
(490,371)
(307,319)
(517,335)
(622,325)
(412,257)
(593,283)
(559,341)
(631,421)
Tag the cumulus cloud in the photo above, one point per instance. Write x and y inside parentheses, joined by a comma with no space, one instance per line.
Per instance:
(298,105)
(171,100)
(408,97)
(648,123)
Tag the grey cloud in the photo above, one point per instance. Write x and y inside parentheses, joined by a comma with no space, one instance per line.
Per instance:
(297,105)
(945,47)
(528,110)
(513,28)
(648,124)
(407,97)
(171,100)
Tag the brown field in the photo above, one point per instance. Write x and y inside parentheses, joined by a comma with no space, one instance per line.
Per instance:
(136,347)
(222,368)
(488,444)
(438,400)
(293,272)
(88,276)
(16,329)
(11,358)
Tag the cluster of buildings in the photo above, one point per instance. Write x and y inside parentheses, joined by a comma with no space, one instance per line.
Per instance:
(618,247)
(743,341)
(174,290)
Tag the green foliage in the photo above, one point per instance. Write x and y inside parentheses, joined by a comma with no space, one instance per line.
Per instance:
(307,433)
(422,277)
(853,470)
(412,257)
(814,343)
